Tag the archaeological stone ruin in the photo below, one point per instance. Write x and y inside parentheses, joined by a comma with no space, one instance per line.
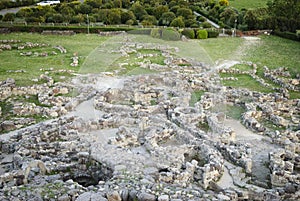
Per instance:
(144,137)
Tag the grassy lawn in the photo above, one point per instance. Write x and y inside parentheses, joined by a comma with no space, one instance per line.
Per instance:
(141,56)
(232,111)
(81,44)
(221,48)
(245,81)
(275,52)
(243,67)
(195,97)
(240,4)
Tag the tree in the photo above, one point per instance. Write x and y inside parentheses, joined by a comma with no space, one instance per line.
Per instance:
(24,12)
(167,18)
(149,20)
(229,16)
(185,13)
(94,3)
(117,3)
(102,15)
(138,10)
(57,18)
(77,19)
(125,16)
(126,3)
(224,2)
(190,23)
(67,12)
(9,17)
(160,10)
(114,16)
(286,14)
(84,8)
(178,22)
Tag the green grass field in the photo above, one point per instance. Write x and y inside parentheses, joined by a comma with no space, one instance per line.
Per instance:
(96,54)
(221,48)
(240,4)
(11,60)
(275,52)
(245,81)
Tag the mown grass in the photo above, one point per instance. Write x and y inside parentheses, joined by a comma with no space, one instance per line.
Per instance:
(294,95)
(81,44)
(245,81)
(243,67)
(270,51)
(221,48)
(232,111)
(235,111)
(195,97)
(131,62)
(275,52)
(247,4)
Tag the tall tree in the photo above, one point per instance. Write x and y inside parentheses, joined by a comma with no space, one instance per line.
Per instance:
(286,13)
(138,10)
(167,18)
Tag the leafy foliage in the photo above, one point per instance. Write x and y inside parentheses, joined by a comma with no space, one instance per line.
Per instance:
(189,33)
(170,34)
(202,34)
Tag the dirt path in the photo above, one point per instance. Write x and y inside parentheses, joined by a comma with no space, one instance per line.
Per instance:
(248,43)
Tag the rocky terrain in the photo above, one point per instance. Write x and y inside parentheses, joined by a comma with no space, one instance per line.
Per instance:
(141,137)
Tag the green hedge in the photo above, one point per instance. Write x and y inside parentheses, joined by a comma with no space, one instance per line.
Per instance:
(156,33)
(77,29)
(141,31)
(288,35)
(212,34)
(202,34)
(189,33)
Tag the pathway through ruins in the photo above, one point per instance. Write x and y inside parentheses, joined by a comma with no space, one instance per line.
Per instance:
(260,146)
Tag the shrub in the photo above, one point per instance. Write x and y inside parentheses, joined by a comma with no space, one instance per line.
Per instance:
(202,34)
(156,33)
(129,22)
(206,25)
(170,34)
(33,28)
(212,34)
(288,35)
(201,19)
(9,17)
(189,33)
(141,31)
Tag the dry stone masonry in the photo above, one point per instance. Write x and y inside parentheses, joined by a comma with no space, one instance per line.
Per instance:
(140,138)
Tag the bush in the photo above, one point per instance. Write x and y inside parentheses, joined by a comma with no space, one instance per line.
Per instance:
(201,19)
(206,25)
(156,33)
(141,31)
(33,28)
(170,34)
(202,34)
(212,34)
(288,35)
(189,33)
(9,17)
